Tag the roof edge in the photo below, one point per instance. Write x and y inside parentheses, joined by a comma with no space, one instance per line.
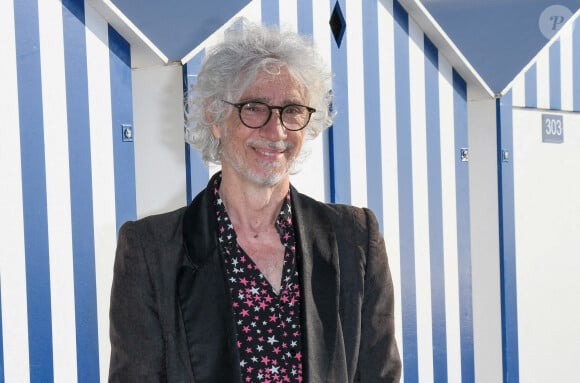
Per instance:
(143,52)
(445,45)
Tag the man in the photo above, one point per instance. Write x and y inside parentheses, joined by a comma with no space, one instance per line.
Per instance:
(253,281)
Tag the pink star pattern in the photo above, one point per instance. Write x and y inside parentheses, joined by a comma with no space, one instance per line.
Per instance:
(267,324)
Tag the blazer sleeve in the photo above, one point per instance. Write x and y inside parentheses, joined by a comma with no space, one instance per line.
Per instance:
(135,331)
(379,359)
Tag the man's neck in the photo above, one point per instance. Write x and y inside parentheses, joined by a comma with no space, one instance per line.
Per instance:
(250,206)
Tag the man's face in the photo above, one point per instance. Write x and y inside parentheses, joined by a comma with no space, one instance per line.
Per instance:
(262,156)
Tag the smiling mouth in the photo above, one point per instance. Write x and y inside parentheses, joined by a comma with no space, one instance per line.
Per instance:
(269,152)
(270,149)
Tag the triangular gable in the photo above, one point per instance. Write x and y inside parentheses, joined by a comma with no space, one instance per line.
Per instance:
(551,80)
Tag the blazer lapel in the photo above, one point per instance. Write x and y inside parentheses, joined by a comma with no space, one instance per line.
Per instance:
(205,303)
(320,278)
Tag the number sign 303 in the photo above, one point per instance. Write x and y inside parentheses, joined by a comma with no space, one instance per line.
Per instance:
(552,128)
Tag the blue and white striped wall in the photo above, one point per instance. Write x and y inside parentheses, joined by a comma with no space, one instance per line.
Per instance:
(395,147)
(540,215)
(67,184)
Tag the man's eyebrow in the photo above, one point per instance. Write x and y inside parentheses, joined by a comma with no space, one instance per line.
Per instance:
(255,99)
(266,100)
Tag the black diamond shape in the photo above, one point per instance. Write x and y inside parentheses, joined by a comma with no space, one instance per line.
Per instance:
(337,24)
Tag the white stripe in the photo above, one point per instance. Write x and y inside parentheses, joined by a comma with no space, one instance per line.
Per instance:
(543,79)
(356,103)
(567,70)
(252,11)
(103,170)
(420,203)
(213,169)
(389,156)
(448,156)
(317,167)
(310,176)
(320,29)
(519,91)
(288,14)
(58,190)
(12,262)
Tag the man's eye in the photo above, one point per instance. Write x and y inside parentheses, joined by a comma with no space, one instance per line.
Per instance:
(255,108)
(293,109)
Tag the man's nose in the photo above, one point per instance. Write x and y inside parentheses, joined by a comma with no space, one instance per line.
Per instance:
(274,129)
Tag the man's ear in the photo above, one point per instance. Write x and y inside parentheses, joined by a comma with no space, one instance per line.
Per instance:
(215,130)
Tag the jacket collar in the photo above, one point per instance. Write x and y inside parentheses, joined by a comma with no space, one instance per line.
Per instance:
(205,303)
(199,228)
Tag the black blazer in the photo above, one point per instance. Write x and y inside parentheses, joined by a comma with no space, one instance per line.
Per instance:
(171,317)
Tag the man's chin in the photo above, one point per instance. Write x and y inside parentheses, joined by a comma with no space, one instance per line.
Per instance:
(269,177)
(267,174)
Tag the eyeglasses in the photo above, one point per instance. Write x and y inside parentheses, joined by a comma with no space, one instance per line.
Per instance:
(256,114)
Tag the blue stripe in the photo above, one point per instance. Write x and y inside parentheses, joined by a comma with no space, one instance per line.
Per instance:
(122,114)
(372,109)
(576,65)
(531,87)
(34,191)
(555,77)
(463,230)
(270,12)
(1,339)
(339,139)
(435,190)
(196,171)
(509,312)
(75,56)
(306,18)
(406,209)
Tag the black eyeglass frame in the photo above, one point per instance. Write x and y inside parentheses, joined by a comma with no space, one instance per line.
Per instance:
(240,105)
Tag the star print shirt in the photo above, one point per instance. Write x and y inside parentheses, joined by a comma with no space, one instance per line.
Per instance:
(267,324)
